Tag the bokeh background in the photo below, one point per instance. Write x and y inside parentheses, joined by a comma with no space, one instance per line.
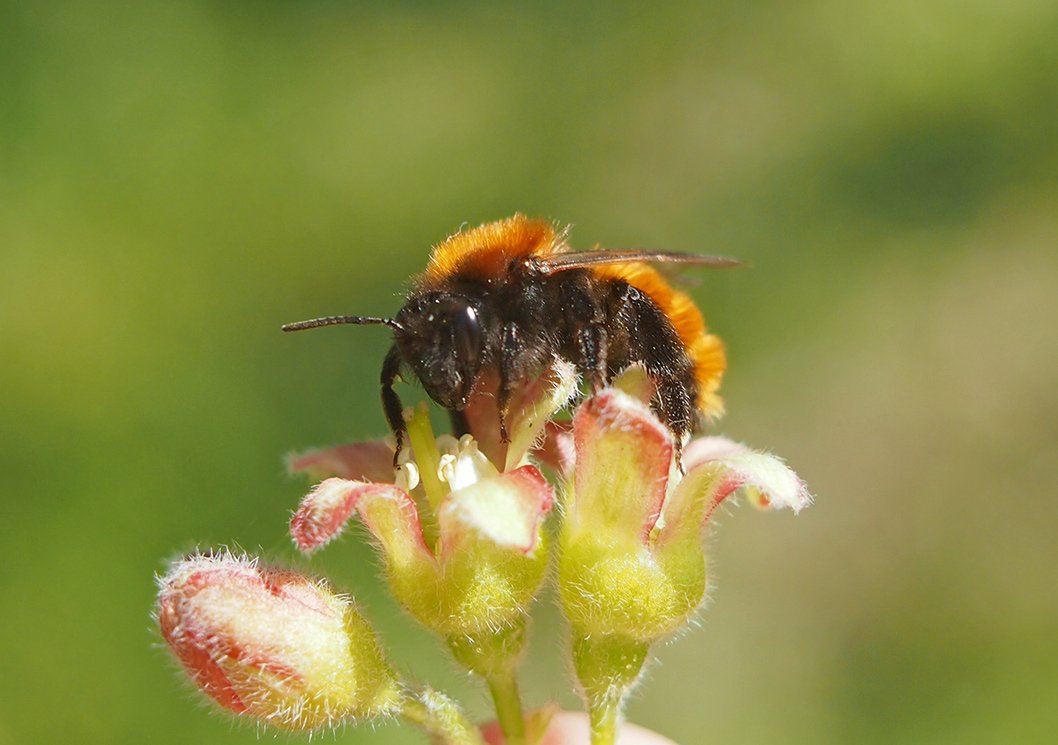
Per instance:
(177,179)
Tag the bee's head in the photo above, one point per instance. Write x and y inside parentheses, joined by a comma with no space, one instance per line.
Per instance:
(441,337)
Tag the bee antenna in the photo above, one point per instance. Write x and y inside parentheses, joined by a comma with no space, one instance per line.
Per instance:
(313,323)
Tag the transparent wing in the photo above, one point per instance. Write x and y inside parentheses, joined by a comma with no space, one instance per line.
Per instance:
(554,263)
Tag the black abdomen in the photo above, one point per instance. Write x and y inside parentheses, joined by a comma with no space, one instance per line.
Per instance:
(605,325)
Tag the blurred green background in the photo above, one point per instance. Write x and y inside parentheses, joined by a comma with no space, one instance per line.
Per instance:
(179,178)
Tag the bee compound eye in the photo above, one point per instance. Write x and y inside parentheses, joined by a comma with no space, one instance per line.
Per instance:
(466,332)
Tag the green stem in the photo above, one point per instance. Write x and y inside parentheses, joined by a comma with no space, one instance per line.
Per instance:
(508,704)
(440,718)
(608,666)
(604,714)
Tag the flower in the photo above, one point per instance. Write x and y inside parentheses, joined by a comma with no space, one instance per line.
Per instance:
(485,558)
(630,563)
(458,524)
(273,644)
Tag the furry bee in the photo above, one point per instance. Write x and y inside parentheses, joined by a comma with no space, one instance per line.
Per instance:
(508,296)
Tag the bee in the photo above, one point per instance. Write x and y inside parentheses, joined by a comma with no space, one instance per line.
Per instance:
(508,296)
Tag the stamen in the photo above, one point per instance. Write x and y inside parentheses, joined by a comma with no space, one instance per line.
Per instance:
(466,466)
(407,476)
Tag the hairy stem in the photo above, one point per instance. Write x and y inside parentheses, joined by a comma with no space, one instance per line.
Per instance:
(608,666)
(509,712)
(604,714)
(440,718)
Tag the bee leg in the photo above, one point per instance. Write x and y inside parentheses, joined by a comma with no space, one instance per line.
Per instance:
(391,405)
(587,317)
(679,411)
(621,306)
(505,437)
(671,403)
(460,425)
(591,343)
(511,349)
(659,349)
(677,450)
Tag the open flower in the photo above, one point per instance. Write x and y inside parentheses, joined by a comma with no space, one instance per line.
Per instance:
(631,565)
(458,524)
(464,553)
(273,644)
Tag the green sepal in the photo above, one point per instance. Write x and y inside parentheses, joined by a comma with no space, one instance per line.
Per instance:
(612,587)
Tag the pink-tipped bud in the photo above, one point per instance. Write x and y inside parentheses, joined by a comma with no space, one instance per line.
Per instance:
(272,644)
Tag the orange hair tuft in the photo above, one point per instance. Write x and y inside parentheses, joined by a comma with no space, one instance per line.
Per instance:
(485,252)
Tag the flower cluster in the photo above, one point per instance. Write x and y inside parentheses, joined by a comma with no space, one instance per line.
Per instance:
(462,530)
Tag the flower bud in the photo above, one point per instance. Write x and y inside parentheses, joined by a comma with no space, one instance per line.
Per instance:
(273,644)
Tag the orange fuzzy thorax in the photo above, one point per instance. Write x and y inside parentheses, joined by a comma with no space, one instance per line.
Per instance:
(485,253)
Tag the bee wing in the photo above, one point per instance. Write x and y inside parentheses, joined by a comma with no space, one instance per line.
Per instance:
(554,263)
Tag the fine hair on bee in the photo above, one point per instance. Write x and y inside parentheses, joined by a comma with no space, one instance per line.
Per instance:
(508,296)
